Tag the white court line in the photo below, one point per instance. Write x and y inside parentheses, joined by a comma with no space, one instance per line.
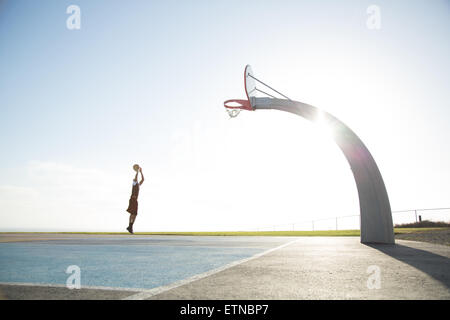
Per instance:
(52,285)
(152,292)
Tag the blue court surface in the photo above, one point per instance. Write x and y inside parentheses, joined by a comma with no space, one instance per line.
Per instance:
(142,262)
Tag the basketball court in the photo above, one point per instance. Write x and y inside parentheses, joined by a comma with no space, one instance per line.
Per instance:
(33,266)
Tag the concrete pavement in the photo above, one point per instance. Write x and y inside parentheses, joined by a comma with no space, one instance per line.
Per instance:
(331,268)
(309,268)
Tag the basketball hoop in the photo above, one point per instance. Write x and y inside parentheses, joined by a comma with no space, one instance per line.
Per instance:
(375,210)
(234,106)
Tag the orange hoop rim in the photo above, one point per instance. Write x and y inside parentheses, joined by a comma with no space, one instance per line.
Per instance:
(243,104)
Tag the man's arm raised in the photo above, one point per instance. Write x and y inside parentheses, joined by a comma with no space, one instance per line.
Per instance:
(142,176)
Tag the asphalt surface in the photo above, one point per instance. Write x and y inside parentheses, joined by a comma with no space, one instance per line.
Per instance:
(139,262)
(228,268)
(331,268)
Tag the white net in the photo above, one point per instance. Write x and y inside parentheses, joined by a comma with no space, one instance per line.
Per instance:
(233,113)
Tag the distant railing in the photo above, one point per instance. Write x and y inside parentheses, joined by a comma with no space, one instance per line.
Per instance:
(352,222)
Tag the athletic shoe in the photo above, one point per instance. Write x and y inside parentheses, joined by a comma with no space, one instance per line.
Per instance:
(130,230)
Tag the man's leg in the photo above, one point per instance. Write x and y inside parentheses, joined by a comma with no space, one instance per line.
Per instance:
(132,219)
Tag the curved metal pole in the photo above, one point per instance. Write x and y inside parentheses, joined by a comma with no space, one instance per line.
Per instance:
(376,216)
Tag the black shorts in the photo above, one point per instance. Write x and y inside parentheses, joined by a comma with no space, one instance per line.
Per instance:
(133,206)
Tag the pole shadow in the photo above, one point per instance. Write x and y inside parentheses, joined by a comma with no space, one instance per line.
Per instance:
(436,266)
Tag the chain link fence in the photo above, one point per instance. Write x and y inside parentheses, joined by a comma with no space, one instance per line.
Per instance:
(351,222)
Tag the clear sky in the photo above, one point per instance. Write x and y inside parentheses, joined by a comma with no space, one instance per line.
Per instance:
(144,82)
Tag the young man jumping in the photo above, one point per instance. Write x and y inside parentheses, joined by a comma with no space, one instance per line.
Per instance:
(133,203)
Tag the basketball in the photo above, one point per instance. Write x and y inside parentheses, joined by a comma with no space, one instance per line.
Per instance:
(136,167)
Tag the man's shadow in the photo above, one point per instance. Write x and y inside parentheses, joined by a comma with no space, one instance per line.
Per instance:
(436,266)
